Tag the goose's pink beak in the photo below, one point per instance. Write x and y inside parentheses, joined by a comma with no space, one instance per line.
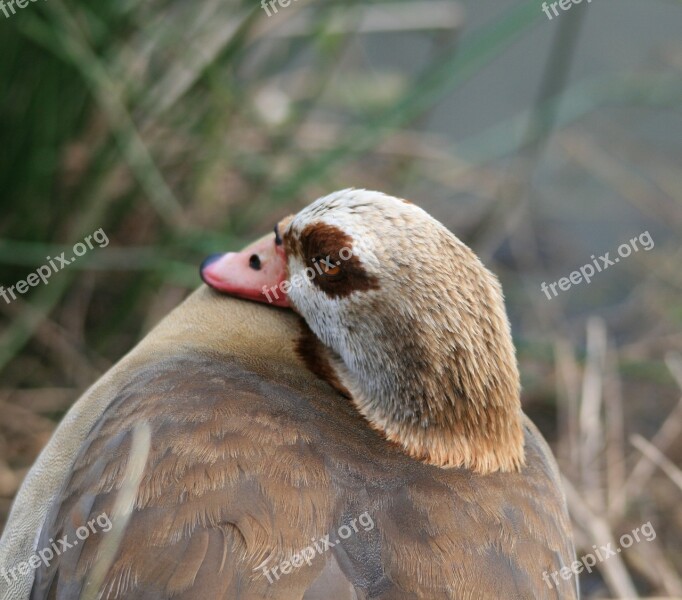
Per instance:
(255,273)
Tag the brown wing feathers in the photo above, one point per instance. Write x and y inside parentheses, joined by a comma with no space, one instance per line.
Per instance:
(224,487)
(249,470)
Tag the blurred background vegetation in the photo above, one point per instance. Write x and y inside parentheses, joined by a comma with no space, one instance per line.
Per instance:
(186,128)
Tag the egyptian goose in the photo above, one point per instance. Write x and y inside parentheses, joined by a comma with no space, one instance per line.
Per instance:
(371,447)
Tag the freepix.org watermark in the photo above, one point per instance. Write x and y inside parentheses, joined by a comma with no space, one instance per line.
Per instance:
(10,4)
(564,5)
(53,265)
(589,270)
(272,4)
(56,548)
(586,562)
(320,546)
(321,266)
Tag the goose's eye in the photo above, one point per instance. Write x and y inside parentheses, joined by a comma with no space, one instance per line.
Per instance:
(331,271)
(328,267)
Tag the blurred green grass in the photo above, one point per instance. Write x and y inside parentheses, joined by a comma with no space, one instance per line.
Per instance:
(100,115)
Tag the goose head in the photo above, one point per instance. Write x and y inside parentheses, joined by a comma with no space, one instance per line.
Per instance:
(409,321)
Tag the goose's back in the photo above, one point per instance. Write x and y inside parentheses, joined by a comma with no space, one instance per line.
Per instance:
(254,466)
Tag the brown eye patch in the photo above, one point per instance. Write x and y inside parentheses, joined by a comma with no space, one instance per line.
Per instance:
(320,246)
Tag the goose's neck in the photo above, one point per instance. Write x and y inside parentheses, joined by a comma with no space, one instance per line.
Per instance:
(449,398)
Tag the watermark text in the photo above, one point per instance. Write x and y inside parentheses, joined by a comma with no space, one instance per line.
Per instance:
(589,270)
(56,548)
(53,265)
(321,266)
(306,555)
(586,562)
(551,7)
